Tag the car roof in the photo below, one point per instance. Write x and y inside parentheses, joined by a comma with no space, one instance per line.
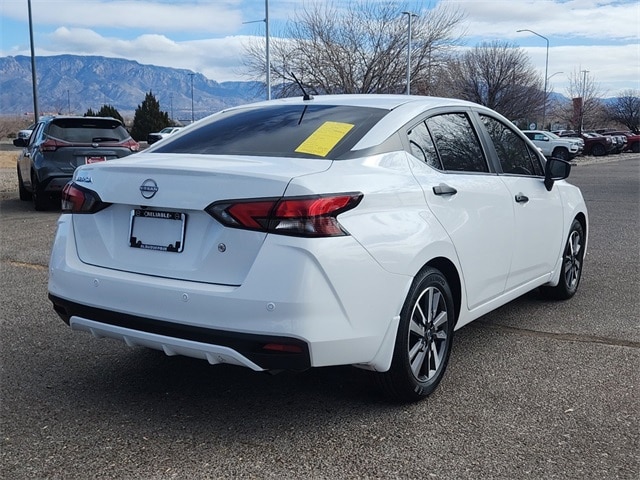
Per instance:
(75,117)
(384,101)
(402,108)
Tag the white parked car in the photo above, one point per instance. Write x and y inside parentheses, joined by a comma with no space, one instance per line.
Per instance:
(26,132)
(342,230)
(551,145)
(164,133)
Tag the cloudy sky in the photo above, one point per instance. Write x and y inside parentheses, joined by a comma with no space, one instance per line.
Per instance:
(599,36)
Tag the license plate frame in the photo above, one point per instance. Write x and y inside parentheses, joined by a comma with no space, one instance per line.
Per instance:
(94,159)
(158,230)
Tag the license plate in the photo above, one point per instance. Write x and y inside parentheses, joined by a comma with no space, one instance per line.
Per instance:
(157,230)
(89,160)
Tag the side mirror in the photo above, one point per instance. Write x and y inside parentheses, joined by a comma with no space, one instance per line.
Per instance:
(20,142)
(555,169)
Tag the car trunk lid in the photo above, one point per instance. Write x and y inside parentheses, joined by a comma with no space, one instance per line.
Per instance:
(157,224)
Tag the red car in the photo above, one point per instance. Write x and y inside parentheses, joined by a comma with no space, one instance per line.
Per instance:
(594,144)
(633,140)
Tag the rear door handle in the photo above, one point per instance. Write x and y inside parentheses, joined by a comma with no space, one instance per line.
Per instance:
(520,198)
(444,189)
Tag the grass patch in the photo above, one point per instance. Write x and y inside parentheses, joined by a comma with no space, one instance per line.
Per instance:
(8,159)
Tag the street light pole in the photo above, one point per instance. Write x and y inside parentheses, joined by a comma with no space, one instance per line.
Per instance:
(266,22)
(546,72)
(192,117)
(553,75)
(409,15)
(268,58)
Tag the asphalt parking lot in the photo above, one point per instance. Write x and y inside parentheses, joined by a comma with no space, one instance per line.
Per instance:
(534,390)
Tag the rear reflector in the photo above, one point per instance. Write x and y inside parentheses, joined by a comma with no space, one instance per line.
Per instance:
(282,348)
(308,216)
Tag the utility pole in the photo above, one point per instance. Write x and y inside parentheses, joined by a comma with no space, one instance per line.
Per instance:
(192,116)
(36,114)
(266,22)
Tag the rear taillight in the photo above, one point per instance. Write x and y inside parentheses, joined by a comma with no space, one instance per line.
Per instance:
(132,145)
(309,216)
(77,199)
(51,145)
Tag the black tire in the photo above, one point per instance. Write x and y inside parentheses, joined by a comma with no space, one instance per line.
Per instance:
(561,153)
(41,200)
(572,262)
(598,150)
(635,148)
(424,339)
(23,193)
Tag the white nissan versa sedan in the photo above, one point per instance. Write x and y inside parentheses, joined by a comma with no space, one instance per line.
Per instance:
(338,230)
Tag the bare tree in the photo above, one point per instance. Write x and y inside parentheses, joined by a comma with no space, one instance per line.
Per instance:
(586,110)
(361,48)
(626,110)
(500,76)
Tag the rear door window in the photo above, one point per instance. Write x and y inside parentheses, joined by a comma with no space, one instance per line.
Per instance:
(87,130)
(35,135)
(305,131)
(422,146)
(456,143)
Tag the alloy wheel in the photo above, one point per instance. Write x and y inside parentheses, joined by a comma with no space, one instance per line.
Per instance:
(427,345)
(572,259)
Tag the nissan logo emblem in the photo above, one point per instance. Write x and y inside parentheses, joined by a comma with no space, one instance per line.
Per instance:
(148,188)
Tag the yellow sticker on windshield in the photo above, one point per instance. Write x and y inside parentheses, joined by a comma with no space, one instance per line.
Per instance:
(324,138)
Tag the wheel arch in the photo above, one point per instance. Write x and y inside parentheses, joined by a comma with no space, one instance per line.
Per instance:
(450,272)
(559,148)
(582,218)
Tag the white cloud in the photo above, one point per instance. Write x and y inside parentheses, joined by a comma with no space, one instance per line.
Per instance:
(586,19)
(219,17)
(217,58)
(601,36)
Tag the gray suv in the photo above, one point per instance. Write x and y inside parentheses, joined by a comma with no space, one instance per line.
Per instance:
(60,144)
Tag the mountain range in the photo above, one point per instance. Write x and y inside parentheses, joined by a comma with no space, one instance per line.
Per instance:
(72,84)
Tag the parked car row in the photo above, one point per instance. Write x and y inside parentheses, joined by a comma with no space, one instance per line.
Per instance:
(604,142)
(631,140)
(551,145)
(594,144)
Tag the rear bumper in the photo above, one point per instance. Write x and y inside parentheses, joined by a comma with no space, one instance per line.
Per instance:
(55,184)
(304,302)
(215,346)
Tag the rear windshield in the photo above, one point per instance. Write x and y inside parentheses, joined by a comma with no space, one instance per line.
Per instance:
(306,131)
(87,130)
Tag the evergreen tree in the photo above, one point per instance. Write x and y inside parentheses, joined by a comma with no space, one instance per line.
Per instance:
(109,111)
(105,111)
(148,118)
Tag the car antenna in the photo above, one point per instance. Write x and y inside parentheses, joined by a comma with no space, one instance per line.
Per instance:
(306,96)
